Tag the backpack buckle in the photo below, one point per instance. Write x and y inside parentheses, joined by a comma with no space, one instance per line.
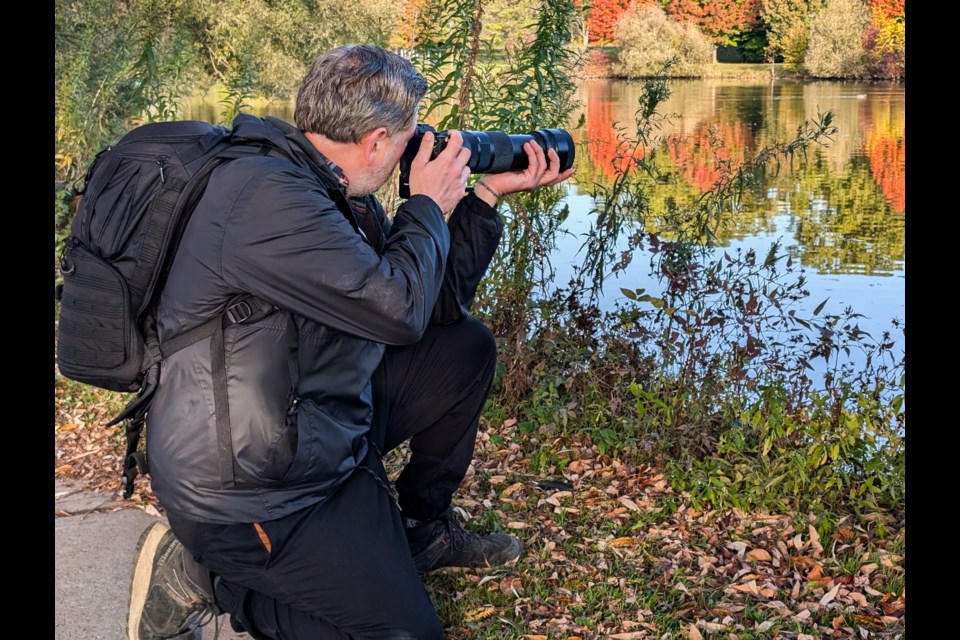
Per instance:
(239,312)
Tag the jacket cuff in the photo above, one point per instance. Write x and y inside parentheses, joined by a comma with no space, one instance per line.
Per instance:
(478,207)
(423,202)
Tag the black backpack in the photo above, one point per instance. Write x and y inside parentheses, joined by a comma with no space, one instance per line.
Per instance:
(135,202)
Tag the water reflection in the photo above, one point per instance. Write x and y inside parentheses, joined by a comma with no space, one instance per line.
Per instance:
(846,201)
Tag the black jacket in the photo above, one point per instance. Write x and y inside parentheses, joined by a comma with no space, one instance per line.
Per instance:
(281,228)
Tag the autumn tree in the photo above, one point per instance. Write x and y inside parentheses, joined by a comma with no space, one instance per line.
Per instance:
(649,39)
(724,22)
(885,38)
(603,17)
(837,48)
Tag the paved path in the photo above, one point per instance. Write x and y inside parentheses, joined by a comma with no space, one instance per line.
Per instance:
(94,554)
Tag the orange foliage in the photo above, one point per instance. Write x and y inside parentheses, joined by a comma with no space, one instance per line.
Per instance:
(606,151)
(404,31)
(699,156)
(887,158)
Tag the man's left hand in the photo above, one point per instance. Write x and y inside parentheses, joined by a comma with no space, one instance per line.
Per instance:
(539,173)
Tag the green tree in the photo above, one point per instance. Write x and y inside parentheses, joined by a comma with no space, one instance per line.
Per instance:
(836,48)
(509,24)
(786,23)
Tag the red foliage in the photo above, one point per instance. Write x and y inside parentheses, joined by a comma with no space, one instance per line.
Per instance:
(719,20)
(889,8)
(698,156)
(603,17)
(887,159)
(606,151)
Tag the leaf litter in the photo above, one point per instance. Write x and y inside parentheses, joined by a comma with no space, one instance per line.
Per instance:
(610,550)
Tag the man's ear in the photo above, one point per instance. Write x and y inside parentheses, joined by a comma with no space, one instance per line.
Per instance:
(373,144)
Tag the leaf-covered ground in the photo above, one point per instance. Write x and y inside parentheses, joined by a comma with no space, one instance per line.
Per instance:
(611,551)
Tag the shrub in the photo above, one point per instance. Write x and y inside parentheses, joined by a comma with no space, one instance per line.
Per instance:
(649,39)
(795,42)
(836,48)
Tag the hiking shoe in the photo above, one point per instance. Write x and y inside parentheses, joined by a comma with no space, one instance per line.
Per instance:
(165,604)
(444,543)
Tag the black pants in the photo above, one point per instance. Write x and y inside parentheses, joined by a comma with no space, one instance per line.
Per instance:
(343,569)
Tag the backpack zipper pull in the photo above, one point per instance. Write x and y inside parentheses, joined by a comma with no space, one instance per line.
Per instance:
(162,160)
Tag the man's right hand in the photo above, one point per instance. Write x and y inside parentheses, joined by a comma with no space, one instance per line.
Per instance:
(444,178)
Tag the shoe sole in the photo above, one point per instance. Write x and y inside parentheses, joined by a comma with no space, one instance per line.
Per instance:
(142,572)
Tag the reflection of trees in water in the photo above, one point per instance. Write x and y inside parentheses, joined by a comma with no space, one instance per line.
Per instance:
(713,150)
(843,223)
(884,124)
(608,154)
(843,199)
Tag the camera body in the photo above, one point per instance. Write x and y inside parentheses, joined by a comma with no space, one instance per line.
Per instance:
(490,151)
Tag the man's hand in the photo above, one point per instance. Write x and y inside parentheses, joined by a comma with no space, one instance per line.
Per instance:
(444,178)
(537,174)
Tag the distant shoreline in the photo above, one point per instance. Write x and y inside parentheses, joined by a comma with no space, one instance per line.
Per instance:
(598,64)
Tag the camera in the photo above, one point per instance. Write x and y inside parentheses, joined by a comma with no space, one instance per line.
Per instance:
(490,151)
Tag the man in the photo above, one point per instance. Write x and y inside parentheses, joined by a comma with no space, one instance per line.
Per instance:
(284,517)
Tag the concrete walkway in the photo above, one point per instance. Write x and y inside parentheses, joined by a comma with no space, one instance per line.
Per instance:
(94,547)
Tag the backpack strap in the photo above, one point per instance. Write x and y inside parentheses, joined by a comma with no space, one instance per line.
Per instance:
(244,309)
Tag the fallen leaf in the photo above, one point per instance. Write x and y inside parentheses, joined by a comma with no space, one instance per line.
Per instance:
(480,613)
(738,546)
(630,635)
(517,525)
(623,542)
(815,539)
(512,585)
(830,595)
(895,608)
(628,503)
(692,633)
(529,637)
(816,573)
(764,626)
(759,555)
(516,486)
(867,569)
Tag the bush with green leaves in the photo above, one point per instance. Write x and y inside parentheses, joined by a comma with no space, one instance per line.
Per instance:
(836,46)
(649,38)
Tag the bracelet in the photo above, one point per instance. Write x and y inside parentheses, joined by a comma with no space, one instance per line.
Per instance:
(481,183)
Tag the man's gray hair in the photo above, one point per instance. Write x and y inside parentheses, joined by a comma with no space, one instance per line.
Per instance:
(353,89)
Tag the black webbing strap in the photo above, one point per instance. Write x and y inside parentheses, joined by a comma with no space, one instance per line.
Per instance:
(221,404)
(246,309)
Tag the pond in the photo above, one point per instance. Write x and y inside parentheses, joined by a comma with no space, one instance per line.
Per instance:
(838,212)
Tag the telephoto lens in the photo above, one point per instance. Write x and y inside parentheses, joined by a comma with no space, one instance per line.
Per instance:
(490,151)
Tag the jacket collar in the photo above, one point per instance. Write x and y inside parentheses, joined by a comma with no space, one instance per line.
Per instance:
(293,143)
